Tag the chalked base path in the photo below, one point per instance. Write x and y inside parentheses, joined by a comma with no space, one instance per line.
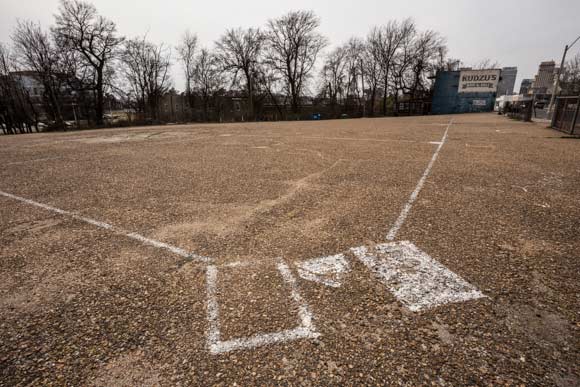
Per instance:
(412,251)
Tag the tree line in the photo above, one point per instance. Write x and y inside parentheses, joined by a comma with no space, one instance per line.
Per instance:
(81,63)
(570,81)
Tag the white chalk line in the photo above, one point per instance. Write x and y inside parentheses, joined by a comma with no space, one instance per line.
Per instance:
(407,208)
(33,160)
(303,309)
(213,333)
(138,237)
(305,330)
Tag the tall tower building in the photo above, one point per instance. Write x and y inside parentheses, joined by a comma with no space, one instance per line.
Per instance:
(508,81)
(526,86)
(544,80)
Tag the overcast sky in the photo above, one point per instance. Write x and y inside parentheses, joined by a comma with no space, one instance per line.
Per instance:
(513,33)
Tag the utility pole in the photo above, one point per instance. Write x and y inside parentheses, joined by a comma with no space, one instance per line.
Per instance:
(560,71)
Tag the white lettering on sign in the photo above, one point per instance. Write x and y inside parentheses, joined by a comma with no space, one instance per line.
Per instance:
(478,81)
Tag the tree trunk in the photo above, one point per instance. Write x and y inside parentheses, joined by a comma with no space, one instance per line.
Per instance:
(373,97)
(385,94)
(362,79)
(396,106)
(206,108)
(250,97)
(55,107)
(99,107)
(273,98)
(294,98)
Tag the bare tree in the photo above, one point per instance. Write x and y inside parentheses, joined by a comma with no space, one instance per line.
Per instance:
(384,43)
(36,52)
(355,70)
(239,50)
(342,76)
(17,113)
(7,111)
(334,76)
(293,46)
(208,79)
(186,51)
(81,29)
(485,64)
(570,82)
(402,61)
(146,70)
(272,86)
(428,54)
(372,71)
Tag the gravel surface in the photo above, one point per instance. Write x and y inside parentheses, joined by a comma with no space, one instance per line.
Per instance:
(83,305)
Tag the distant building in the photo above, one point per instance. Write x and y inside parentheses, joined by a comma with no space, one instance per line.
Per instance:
(69,98)
(30,81)
(465,91)
(508,81)
(544,81)
(526,86)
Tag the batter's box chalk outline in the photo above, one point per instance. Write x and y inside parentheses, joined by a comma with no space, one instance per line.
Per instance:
(306,329)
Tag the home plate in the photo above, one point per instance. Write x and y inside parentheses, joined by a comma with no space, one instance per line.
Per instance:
(416,280)
(325,270)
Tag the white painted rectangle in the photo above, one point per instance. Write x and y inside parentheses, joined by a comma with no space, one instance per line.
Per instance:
(324,270)
(415,279)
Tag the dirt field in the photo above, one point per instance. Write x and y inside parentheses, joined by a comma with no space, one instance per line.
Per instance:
(437,251)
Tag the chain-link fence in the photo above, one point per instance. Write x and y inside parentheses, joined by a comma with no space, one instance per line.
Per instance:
(565,117)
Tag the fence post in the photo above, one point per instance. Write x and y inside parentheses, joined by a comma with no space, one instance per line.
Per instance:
(528,112)
(555,113)
(575,119)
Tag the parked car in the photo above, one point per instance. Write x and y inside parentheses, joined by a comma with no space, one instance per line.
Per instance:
(540,104)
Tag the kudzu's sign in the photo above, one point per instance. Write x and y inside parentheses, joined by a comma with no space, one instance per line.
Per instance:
(478,81)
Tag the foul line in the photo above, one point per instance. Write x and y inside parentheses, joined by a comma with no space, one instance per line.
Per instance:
(407,208)
(138,237)
(34,160)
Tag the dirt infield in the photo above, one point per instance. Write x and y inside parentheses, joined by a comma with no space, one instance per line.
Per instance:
(438,250)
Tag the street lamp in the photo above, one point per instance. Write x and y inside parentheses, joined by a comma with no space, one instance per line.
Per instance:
(560,71)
